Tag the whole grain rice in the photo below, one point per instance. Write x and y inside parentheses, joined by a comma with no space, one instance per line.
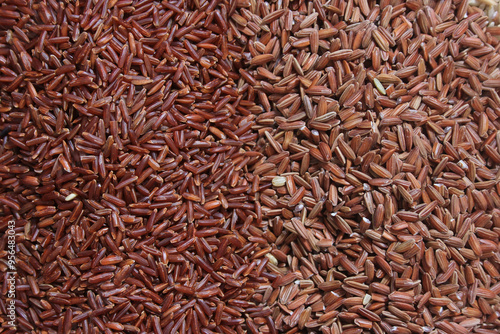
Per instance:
(251,166)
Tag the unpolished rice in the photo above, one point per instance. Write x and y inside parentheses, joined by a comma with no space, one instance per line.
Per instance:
(251,166)
(388,124)
(127,143)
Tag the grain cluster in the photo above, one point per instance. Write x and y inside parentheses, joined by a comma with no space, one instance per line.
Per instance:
(381,134)
(127,144)
(251,166)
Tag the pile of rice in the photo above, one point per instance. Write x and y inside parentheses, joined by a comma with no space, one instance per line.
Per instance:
(491,8)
